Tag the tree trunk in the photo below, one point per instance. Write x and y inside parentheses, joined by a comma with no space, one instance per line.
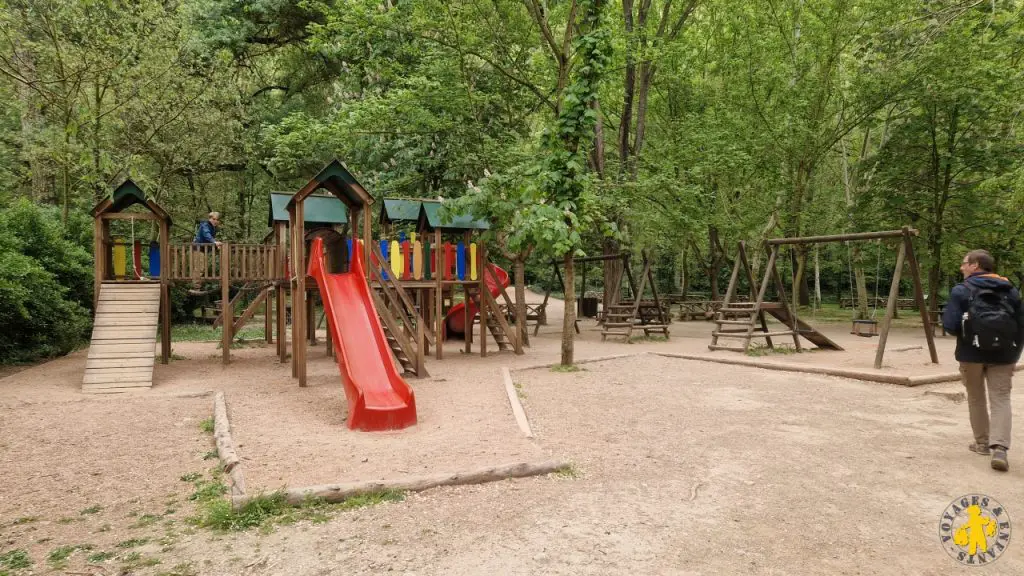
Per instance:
(31,124)
(935,270)
(715,257)
(626,121)
(569,319)
(684,284)
(646,74)
(519,270)
(612,274)
(597,154)
(798,277)
(817,277)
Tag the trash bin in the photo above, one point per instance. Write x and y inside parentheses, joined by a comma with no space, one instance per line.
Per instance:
(589,307)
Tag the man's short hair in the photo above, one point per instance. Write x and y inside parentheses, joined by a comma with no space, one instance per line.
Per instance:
(981,258)
(214,215)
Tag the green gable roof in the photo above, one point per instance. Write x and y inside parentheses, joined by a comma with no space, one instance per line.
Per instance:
(400,210)
(430,219)
(127,194)
(318,209)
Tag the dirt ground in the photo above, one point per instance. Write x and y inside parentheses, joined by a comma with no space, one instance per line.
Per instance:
(681,467)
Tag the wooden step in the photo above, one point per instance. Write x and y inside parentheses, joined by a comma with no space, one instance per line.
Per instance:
(652,326)
(731,310)
(736,322)
(755,334)
(730,348)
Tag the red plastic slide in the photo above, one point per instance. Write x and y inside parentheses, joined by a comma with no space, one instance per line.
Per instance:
(455,321)
(378,397)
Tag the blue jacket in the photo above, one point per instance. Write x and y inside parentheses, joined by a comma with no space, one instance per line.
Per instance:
(959,298)
(207,233)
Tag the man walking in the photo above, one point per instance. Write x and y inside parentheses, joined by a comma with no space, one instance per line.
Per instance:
(985,313)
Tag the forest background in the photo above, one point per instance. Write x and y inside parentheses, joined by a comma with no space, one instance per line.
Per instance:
(577,126)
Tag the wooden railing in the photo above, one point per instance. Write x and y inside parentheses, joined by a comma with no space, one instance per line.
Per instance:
(246,262)
(496,312)
(399,314)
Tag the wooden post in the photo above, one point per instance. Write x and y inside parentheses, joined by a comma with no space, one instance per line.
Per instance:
(780,287)
(583,290)
(283,285)
(890,308)
(97,266)
(467,323)
(482,258)
(915,273)
(438,253)
(282,319)
(421,346)
(367,238)
(268,315)
(225,302)
(329,341)
(299,318)
(311,316)
(165,293)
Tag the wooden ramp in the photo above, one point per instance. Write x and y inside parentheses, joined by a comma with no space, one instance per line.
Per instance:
(804,329)
(123,347)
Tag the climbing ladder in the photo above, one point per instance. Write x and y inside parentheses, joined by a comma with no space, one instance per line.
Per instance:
(123,347)
(746,320)
(622,319)
(408,366)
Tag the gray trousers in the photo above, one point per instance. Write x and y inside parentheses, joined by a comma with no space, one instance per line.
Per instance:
(990,421)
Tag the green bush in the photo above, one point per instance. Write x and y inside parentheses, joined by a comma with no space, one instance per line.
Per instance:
(45,285)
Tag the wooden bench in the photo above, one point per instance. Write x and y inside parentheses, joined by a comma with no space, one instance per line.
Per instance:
(536,314)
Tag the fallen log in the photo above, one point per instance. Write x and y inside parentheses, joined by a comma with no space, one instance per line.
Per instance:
(222,434)
(341,492)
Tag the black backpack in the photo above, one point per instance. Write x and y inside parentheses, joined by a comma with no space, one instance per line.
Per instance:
(991,321)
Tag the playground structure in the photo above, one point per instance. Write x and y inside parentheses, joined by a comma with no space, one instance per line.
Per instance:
(620,317)
(384,301)
(746,320)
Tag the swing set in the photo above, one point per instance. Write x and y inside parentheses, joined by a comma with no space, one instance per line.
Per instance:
(746,320)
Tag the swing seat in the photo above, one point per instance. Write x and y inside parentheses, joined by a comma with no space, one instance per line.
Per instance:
(865,328)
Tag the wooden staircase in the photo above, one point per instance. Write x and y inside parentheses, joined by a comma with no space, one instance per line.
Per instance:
(408,366)
(746,320)
(123,347)
(620,320)
(403,326)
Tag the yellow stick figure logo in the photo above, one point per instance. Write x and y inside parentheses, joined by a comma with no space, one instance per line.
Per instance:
(975,529)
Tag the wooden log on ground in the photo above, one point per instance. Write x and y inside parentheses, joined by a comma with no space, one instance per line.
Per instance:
(222,434)
(341,492)
(517,406)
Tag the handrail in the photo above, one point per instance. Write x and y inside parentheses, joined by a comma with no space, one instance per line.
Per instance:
(247,262)
(397,287)
(492,305)
(385,312)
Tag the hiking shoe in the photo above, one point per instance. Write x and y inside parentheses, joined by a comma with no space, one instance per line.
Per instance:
(999,461)
(978,448)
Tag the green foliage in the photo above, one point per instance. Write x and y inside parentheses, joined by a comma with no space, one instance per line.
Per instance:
(58,556)
(15,559)
(101,556)
(44,282)
(206,426)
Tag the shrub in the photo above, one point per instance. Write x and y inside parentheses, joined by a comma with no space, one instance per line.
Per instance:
(45,285)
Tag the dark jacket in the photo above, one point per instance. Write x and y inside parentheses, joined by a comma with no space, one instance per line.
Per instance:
(957,306)
(207,233)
